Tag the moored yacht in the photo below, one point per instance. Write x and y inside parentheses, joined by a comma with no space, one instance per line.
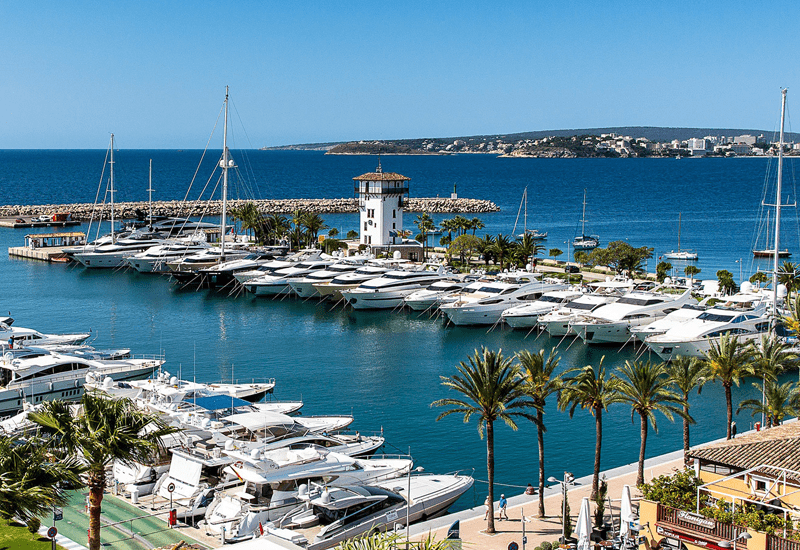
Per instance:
(113,255)
(155,259)
(527,315)
(687,312)
(185,269)
(556,323)
(278,282)
(21,336)
(388,290)
(430,297)
(306,286)
(334,288)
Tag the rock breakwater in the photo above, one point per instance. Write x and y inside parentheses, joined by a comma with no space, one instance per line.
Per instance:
(128,210)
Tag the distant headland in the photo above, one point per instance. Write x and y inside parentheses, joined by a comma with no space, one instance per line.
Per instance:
(624,141)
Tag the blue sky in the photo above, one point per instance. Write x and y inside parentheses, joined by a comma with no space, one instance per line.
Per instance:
(154,73)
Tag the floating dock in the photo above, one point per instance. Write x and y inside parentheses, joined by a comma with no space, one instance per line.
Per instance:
(28,221)
(48,247)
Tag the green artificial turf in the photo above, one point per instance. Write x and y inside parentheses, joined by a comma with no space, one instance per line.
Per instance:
(15,536)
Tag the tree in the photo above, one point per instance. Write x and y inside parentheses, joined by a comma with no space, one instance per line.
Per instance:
(492,390)
(691,271)
(541,381)
(791,322)
(100,431)
(782,400)
(352,235)
(487,249)
(277,226)
(425,224)
(581,256)
(769,357)
(621,256)
(727,360)
(501,248)
(590,388)
(788,275)
(726,283)
(313,224)
(662,271)
(758,278)
(645,386)
(475,224)
(555,252)
(465,246)
(31,481)
(333,232)
(686,374)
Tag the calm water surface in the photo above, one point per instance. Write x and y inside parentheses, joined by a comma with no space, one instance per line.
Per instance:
(384,367)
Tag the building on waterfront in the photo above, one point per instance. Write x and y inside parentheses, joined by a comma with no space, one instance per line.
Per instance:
(381,201)
(758,471)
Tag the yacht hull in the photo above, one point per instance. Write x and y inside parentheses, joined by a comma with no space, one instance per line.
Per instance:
(377,300)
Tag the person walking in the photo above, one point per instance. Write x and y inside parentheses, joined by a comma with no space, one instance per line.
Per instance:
(487,504)
(502,504)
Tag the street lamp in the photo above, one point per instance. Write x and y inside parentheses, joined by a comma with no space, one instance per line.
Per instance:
(568,243)
(732,543)
(569,479)
(739,261)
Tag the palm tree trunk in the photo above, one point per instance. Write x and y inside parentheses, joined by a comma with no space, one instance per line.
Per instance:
(598,423)
(97,481)
(540,437)
(643,430)
(686,428)
(490,472)
(729,405)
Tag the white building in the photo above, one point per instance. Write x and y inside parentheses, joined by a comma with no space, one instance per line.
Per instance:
(746,138)
(380,203)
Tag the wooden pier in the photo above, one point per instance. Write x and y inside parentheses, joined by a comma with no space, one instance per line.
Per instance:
(48,247)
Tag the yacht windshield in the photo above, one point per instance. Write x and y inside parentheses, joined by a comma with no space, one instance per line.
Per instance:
(490,290)
(638,301)
(709,316)
(554,299)
(580,305)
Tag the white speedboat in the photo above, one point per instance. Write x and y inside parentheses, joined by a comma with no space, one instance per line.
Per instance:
(35,375)
(744,315)
(611,323)
(486,305)
(556,323)
(156,258)
(342,513)
(388,290)
(27,337)
(278,282)
(431,296)
(306,287)
(527,315)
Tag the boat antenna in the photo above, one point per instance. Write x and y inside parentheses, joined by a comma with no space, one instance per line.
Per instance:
(224,164)
(150,193)
(111,185)
(778,211)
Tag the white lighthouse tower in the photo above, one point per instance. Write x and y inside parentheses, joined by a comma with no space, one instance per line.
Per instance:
(380,202)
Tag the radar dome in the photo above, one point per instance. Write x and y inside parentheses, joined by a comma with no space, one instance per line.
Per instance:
(782,291)
(667,280)
(747,287)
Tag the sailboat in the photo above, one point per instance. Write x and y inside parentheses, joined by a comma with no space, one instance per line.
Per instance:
(680,255)
(769,251)
(535,234)
(584,241)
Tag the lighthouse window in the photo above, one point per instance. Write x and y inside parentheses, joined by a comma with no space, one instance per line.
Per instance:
(394,226)
(394,213)
(365,226)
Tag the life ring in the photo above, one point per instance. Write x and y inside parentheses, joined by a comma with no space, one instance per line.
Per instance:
(238,464)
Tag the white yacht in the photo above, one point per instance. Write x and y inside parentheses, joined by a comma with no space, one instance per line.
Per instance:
(611,323)
(388,290)
(180,226)
(155,259)
(35,375)
(224,273)
(686,312)
(267,267)
(273,481)
(334,288)
(278,282)
(341,513)
(527,315)
(486,305)
(185,269)
(556,323)
(744,315)
(113,255)
(26,337)
(306,287)
(429,298)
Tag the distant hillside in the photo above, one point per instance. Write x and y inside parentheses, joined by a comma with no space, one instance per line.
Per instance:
(652,133)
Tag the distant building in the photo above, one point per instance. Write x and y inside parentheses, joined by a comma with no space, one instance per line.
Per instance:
(741,148)
(746,138)
(380,202)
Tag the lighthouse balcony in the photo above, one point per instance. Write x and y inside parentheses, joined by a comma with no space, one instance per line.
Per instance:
(381,188)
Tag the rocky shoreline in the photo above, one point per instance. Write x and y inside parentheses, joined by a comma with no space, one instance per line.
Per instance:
(127,210)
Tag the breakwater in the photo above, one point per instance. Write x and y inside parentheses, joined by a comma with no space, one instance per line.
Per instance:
(282,206)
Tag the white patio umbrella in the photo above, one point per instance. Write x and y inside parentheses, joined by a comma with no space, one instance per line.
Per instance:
(626,512)
(583,529)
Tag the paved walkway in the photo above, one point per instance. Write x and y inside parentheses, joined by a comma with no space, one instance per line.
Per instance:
(549,528)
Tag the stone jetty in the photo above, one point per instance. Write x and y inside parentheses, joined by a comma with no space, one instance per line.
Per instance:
(126,210)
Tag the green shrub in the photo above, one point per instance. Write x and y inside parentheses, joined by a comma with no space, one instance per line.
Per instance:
(33,525)
(546,546)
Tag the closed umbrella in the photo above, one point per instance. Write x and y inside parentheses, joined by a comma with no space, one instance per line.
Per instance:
(583,529)
(626,512)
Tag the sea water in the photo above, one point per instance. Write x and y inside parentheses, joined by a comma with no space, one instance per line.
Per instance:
(385,367)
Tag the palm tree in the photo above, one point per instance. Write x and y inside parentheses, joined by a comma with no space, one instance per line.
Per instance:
(462,224)
(313,224)
(475,224)
(540,383)
(788,275)
(425,224)
(645,387)
(782,400)
(727,360)
(686,374)
(791,322)
(100,431)
(590,388)
(487,249)
(277,226)
(502,247)
(492,389)
(31,483)
(769,358)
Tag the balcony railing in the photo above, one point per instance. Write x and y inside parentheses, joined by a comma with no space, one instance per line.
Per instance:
(380,188)
(720,531)
(774,542)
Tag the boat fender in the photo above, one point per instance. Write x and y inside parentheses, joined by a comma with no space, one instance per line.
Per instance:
(238,464)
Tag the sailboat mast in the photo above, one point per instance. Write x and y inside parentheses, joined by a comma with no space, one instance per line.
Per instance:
(525,228)
(111,186)
(150,193)
(778,207)
(224,163)
(583,216)
(679,231)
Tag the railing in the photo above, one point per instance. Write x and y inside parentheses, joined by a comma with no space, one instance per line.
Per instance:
(720,531)
(774,542)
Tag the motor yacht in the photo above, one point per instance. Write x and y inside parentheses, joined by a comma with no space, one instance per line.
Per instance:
(113,254)
(388,290)
(486,305)
(333,289)
(686,312)
(341,513)
(611,323)
(556,323)
(744,315)
(184,270)
(36,375)
(527,315)
(306,287)
(27,337)
(429,298)
(180,226)
(156,258)
(277,283)
(222,274)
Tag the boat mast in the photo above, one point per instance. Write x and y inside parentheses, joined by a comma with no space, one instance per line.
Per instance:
(150,193)
(778,208)
(679,231)
(224,164)
(583,216)
(111,186)
(525,223)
